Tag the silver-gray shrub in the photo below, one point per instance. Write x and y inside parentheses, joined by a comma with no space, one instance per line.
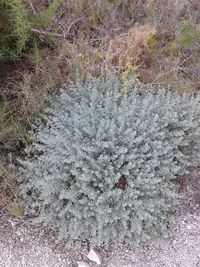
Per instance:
(102,167)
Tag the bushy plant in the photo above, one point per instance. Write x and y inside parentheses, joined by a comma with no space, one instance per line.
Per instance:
(15,25)
(102,165)
(16,22)
(188,34)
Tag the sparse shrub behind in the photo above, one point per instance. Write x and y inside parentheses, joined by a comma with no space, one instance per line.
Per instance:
(102,167)
(15,33)
(188,35)
(16,23)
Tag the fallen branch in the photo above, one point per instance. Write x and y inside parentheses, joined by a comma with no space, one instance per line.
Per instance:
(44,33)
(62,35)
(66,32)
(32,7)
(170,71)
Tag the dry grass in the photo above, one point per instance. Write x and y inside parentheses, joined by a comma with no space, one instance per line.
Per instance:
(9,192)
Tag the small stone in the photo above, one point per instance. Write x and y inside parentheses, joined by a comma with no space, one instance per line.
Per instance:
(184,222)
(12,223)
(189,227)
(18,232)
(82,264)
(94,255)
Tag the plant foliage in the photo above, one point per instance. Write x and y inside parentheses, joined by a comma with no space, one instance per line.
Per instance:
(102,166)
(188,34)
(16,22)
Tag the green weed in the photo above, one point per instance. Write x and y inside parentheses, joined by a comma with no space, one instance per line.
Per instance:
(17,23)
(46,15)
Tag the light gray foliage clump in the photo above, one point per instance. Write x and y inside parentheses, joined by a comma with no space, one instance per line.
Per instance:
(102,168)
